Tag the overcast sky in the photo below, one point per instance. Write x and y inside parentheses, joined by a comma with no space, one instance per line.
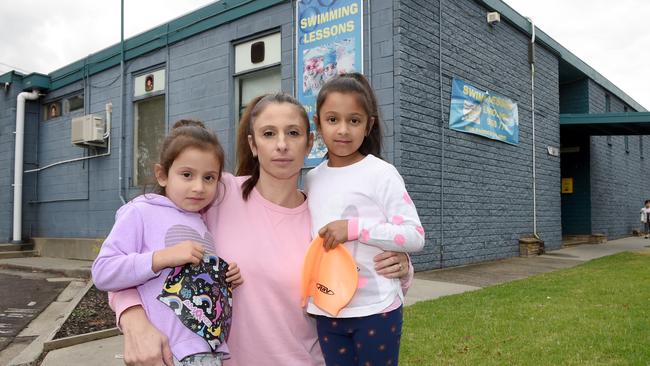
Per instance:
(44,35)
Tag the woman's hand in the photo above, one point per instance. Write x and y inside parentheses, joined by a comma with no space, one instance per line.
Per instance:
(144,345)
(233,276)
(392,264)
(177,255)
(334,233)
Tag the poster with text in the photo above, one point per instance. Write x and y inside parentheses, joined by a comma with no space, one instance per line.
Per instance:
(483,113)
(329,42)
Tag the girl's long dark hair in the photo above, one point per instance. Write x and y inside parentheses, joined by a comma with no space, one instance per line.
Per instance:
(357,84)
(247,164)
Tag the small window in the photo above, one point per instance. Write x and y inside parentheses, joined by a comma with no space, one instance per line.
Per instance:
(627,144)
(641,146)
(609,140)
(147,84)
(608,103)
(258,83)
(148,134)
(76,103)
(52,110)
(625,109)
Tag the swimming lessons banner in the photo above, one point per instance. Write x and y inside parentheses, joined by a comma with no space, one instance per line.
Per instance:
(483,113)
(329,42)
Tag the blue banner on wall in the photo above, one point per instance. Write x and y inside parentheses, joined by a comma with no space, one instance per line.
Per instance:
(329,42)
(483,113)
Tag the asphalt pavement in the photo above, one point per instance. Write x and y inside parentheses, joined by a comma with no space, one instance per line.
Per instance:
(24,296)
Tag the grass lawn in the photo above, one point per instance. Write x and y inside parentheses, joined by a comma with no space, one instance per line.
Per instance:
(597,313)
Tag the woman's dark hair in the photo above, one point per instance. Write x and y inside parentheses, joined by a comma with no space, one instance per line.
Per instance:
(187,133)
(646,202)
(356,83)
(247,164)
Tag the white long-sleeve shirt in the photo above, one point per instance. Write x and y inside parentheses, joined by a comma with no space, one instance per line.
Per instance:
(381,216)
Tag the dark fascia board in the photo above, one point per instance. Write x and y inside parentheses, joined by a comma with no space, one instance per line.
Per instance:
(188,25)
(523,24)
(36,81)
(604,118)
(11,77)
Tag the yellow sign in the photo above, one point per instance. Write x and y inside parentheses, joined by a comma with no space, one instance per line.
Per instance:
(567,185)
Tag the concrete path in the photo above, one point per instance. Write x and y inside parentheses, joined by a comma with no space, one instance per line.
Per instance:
(426,286)
(104,352)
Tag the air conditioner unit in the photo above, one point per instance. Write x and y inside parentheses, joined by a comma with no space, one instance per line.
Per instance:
(88,130)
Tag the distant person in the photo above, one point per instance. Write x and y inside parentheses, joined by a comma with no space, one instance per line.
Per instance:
(645,218)
(358,200)
(155,234)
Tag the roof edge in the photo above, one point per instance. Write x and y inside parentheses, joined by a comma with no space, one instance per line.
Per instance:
(604,118)
(520,22)
(173,31)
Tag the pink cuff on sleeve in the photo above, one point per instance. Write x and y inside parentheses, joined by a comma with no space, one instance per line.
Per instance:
(353,229)
(122,300)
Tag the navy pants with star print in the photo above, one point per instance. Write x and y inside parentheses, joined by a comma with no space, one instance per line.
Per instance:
(370,340)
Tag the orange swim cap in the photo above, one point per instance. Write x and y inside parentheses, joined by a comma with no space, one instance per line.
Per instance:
(329,277)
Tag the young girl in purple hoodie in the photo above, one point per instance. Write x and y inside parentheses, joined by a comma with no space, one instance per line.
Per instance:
(154,233)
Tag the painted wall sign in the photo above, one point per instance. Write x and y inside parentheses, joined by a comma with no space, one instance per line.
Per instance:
(567,185)
(329,36)
(483,113)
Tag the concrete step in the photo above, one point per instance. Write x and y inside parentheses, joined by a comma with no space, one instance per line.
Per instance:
(5,247)
(18,254)
(572,243)
(60,266)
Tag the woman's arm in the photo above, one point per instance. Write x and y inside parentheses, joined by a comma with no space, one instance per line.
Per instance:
(395,265)
(144,345)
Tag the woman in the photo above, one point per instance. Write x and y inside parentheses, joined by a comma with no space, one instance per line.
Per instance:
(261,222)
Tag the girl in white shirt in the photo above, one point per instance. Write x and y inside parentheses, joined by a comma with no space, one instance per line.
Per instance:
(358,200)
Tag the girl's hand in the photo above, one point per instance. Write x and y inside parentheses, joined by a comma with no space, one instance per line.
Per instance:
(334,233)
(177,255)
(233,276)
(144,345)
(392,264)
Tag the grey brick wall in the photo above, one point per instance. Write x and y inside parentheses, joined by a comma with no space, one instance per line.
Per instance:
(487,191)
(574,97)
(619,185)
(618,178)
(487,184)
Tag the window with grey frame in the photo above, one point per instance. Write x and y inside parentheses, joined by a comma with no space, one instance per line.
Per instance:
(148,133)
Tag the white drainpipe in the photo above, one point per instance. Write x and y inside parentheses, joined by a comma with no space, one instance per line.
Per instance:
(18,163)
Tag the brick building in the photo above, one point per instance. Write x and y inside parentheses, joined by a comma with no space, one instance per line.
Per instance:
(475,195)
